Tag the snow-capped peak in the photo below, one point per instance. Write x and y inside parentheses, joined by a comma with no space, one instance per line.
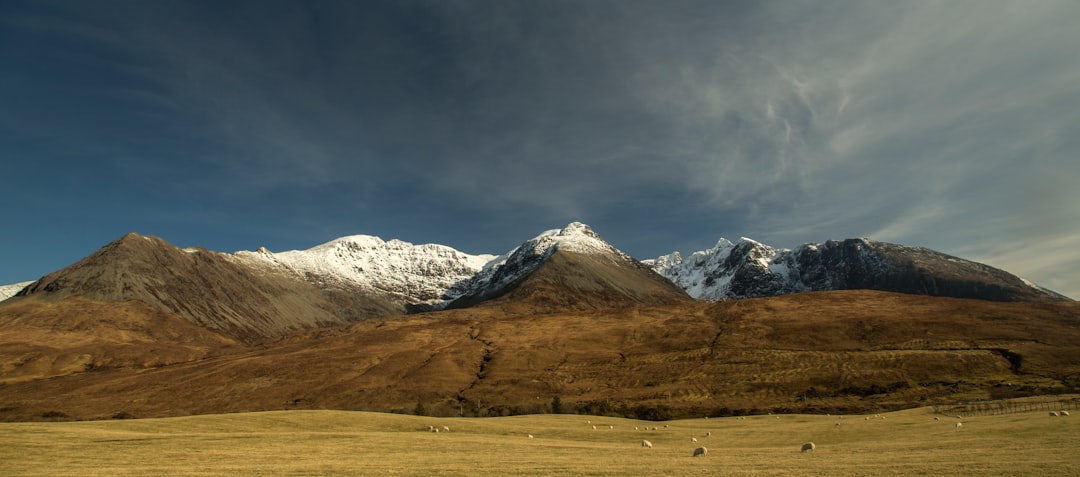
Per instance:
(504,270)
(575,237)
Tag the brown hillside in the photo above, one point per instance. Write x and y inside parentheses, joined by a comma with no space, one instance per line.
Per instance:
(569,281)
(207,288)
(43,339)
(825,352)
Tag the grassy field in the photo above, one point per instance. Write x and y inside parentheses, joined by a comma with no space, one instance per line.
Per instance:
(360,443)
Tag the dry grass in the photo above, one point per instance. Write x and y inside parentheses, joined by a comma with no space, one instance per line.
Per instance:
(360,443)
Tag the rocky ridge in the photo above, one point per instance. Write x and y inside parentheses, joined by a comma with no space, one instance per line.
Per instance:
(747,269)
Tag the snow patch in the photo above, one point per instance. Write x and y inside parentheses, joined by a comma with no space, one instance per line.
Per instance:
(8,291)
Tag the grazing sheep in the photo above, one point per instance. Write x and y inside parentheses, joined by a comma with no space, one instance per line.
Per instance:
(708,434)
(594,428)
(1053,414)
(700,451)
(937,418)
(446,428)
(645,443)
(1064,413)
(693,439)
(431,428)
(959,425)
(808,446)
(530,436)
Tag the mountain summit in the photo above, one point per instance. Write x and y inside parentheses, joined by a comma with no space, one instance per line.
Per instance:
(568,268)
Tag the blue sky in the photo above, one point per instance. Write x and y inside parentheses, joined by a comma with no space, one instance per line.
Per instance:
(478,124)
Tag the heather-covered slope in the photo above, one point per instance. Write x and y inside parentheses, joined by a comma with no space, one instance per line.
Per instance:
(44,339)
(845,351)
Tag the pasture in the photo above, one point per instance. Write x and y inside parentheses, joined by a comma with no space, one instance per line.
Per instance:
(361,443)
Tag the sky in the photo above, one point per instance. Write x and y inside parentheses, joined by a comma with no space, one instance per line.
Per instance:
(665,125)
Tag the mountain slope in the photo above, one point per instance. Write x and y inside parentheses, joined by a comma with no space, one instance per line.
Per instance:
(569,268)
(841,351)
(44,339)
(747,269)
(211,289)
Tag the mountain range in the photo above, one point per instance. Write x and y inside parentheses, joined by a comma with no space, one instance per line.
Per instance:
(396,276)
(359,322)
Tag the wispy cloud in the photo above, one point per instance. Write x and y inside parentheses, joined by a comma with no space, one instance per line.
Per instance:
(931,123)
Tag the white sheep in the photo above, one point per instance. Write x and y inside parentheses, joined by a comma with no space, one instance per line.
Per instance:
(446,428)
(1053,414)
(645,443)
(959,425)
(708,434)
(808,446)
(700,451)
(1064,413)
(530,436)
(693,439)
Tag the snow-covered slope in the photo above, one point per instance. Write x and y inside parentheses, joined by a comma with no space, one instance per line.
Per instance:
(8,291)
(749,269)
(412,274)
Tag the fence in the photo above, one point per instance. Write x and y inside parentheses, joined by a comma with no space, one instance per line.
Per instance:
(991,408)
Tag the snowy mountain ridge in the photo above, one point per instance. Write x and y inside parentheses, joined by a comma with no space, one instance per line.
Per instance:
(415,274)
(749,269)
